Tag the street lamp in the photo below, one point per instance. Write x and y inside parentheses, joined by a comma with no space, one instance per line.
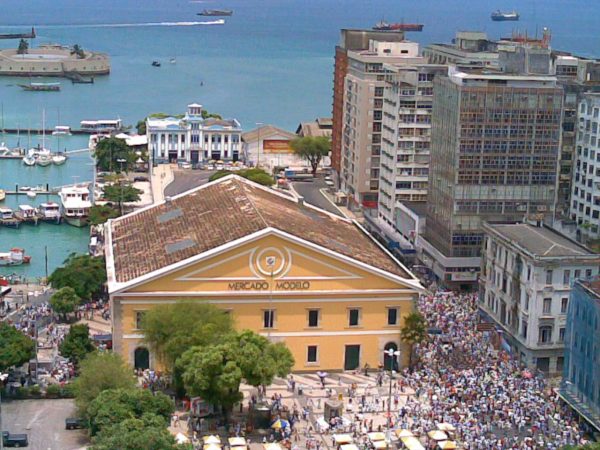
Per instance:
(121,161)
(392,355)
(259,125)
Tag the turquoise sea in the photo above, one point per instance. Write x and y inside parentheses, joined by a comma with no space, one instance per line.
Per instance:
(272,62)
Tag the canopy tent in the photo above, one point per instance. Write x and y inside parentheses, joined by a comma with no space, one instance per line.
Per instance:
(342,439)
(380,444)
(348,447)
(404,433)
(212,447)
(212,439)
(272,446)
(447,445)
(237,442)
(445,426)
(412,443)
(376,436)
(280,423)
(181,438)
(438,435)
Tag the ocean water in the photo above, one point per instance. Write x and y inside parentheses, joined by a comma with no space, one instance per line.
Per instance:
(272,62)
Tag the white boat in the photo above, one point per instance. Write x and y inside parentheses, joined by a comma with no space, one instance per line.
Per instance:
(27,211)
(4,150)
(75,204)
(61,130)
(29,159)
(15,257)
(31,194)
(44,160)
(59,159)
(2,194)
(50,212)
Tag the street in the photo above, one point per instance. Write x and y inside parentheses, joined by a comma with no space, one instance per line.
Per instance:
(186,180)
(311,191)
(44,423)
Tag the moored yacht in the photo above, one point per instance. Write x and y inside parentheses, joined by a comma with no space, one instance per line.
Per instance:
(59,159)
(76,204)
(50,212)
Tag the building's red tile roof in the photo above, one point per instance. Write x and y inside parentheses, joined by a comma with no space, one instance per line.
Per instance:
(221,212)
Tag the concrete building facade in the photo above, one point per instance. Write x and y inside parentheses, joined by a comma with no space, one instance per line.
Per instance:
(193,138)
(495,148)
(526,277)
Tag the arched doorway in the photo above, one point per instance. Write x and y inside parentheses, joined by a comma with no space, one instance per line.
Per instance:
(141,358)
(390,362)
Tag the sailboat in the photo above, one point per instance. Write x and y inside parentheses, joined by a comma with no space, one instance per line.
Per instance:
(29,159)
(59,158)
(44,157)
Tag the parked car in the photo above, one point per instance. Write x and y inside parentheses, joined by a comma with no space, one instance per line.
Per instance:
(136,179)
(14,440)
(73,423)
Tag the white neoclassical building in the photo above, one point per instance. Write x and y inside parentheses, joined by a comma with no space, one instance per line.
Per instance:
(192,138)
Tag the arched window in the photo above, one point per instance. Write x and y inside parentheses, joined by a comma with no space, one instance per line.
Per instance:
(390,362)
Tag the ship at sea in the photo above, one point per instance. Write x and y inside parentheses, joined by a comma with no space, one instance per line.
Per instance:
(499,16)
(216,12)
(384,26)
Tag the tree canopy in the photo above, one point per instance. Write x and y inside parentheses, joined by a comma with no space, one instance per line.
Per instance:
(414,330)
(15,348)
(108,153)
(171,329)
(121,193)
(113,406)
(84,273)
(64,301)
(149,432)
(101,213)
(255,174)
(77,343)
(23,47)
(97,373)
(311,149)
(78,51)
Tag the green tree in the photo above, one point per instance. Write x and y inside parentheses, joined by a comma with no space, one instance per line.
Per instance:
(121,193)
(312,149)
(115,405)
(23,47)
(77,343)
(84,273)
(108,153)
(148,432)
(15,348)
(257,175)
(261,360)
(414,331)
(97,373)
(141,125)
(78,51)
(213,372)
(99,214)
(207,115)
(65,301)
(169,330)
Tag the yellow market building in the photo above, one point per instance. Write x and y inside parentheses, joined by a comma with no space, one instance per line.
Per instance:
(282,268)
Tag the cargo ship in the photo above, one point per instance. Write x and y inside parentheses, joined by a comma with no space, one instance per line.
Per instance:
(216,12)
(384,26)
(499,16)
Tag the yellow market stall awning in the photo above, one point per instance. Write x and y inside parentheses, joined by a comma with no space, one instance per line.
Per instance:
(237,442)
(212,447)
(211,439)
(445,426)
(376,436)
(348,447)
(412,443)
(438,435)
(380,445)
(447,445)
(341,439)
(404,433)
(272,446)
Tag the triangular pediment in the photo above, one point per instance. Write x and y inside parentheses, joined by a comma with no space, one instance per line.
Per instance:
(272,263)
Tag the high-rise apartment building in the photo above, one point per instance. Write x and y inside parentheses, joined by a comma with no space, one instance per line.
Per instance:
(495,147)
(350,40)
(363,117)
(406,135)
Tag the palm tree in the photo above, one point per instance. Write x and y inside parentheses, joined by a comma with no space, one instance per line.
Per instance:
(23,47)
(77,50)
(414,331)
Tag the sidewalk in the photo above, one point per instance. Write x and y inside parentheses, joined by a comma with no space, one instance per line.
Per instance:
(161,177)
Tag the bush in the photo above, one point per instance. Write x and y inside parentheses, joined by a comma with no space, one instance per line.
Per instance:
(22,392)
(68,391)
(53,391)
(35,391)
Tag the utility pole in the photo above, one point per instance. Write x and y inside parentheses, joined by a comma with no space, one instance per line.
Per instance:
(259,125)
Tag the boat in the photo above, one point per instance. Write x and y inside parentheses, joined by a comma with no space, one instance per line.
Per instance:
(50,212)
(75,204)
(4,150)
(385,26)
(15,257)
(44,160)
(216,12)
(31,194)
(29,160)
(2,194)
(499,16)
(59,159)
(27,213)
(155,64)
(61,130)
(51,87)
(8,219)
(173,61)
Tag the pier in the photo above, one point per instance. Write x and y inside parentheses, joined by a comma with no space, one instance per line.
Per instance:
(30,35)
(42,131)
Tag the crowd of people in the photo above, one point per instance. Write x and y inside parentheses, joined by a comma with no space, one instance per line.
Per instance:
(462,379)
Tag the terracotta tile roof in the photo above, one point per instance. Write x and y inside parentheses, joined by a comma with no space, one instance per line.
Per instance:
(223,211)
